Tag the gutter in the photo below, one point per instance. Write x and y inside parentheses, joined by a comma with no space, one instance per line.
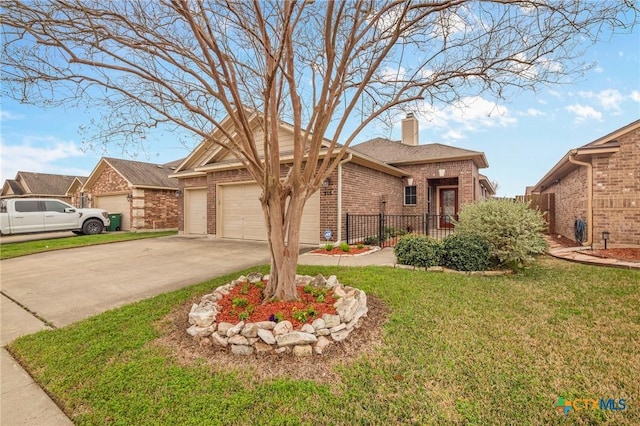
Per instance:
(346,160)
(589,167)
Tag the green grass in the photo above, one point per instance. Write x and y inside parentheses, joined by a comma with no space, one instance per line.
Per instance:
(9,250)
(456,350)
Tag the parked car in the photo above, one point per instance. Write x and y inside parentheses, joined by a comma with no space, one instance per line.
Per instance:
(31,215)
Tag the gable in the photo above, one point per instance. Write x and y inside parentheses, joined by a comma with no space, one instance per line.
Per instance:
(125,174)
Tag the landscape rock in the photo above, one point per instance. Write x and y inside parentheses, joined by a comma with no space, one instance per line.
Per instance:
(223,327)
(283,328)
(202,317)
(338,327)
(295,338)
(254,277)
(323,332)
(262,348)
(319,281)
(346,308)
(236,329)
(308,328)
(218,340)
(266,325)
(241,350)
(331,320)
(332,281)
(321,345)
(302,350)
(282,350)
(318,324)
(340,335)
(266,336)
(237,339)
(195,331)
(250,330)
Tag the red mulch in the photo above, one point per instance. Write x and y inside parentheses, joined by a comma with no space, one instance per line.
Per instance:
(263,311)
(632,254)
(338,251)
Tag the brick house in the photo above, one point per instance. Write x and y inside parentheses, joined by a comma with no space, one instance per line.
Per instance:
(220,197)
(42,185)
(142,192)
(599,183)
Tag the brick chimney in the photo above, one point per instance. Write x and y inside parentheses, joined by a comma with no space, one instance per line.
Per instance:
(410,130)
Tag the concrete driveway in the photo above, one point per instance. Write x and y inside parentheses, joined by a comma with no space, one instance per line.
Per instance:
(66,286)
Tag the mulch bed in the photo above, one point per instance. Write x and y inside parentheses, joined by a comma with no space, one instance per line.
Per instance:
(631,254)
(337,251)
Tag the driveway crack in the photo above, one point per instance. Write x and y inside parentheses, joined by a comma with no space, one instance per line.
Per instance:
(34,314)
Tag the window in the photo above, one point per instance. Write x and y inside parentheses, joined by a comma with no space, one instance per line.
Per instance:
(27,206)
(410,196)
(55,206)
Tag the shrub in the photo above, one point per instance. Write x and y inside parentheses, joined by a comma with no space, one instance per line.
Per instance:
(328,246)
(512,229)
(466,252)
(418,250)
(345,247)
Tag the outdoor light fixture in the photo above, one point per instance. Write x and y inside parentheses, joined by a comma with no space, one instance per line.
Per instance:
(325,187)
(129,197)
(326,182)
(605,237)
(178,192)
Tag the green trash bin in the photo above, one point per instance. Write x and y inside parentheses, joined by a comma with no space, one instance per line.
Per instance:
(115,219)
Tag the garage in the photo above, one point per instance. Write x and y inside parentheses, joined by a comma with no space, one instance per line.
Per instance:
(116,204)
(240,214)
(195,211)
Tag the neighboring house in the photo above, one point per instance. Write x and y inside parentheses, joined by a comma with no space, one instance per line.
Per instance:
(142,192)
(41,185)
(379,176)
(598,183)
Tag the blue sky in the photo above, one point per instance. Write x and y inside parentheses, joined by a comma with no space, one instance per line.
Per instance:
(522,137)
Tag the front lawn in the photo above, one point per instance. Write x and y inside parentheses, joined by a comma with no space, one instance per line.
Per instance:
(9,250)
(456,350)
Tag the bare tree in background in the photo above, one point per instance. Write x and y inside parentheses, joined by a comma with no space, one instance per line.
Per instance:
(320,66)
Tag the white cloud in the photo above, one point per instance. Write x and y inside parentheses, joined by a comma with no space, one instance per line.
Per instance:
(453,135)
(635,96)
(8,115)
(532,112)
(39,154)
(583,112)
(471,114)
(609,99)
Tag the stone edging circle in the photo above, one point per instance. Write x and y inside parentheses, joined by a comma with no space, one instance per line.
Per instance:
(266,337)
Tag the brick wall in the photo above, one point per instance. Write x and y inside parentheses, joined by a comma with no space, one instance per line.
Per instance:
(160,209)
(616,193)
(150,208)
(570,201)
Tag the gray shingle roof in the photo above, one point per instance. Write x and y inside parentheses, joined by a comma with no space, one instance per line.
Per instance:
(395,152)
(15,186)
(144,174)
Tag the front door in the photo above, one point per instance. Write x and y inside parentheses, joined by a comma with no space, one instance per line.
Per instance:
(448,206)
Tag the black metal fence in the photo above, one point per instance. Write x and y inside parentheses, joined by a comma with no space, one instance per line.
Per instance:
(385,229)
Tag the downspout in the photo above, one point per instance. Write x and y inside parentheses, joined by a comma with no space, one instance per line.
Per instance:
(346,160)
(589,167)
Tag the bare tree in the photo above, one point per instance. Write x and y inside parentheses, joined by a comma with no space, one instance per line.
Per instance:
(320,66)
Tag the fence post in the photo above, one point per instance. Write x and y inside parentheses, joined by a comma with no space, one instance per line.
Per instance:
(381,229)
(347,227)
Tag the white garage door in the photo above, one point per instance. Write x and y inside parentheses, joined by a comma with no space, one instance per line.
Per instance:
(116,204)
(241,216)
(196,211)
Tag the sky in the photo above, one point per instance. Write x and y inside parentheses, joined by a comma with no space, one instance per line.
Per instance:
(522,137)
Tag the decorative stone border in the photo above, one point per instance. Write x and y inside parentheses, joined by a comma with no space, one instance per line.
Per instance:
(267,337)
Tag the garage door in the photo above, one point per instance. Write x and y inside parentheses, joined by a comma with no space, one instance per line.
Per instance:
(116,204)
(196,211)
(241,215)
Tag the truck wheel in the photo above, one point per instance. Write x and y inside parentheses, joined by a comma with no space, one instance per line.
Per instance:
(92,227)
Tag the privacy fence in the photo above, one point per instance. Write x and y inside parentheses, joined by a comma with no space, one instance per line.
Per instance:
(384,229)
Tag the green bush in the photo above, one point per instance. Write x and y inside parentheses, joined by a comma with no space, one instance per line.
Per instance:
(466,252)
(418,250)
(512,229)
(345,247)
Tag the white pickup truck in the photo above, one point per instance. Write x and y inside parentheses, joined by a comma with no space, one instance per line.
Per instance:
(30,215)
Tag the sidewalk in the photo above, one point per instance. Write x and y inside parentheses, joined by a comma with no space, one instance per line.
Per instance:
(573,254)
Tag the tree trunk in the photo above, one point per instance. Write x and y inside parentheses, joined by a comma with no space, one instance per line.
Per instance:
(283,218)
